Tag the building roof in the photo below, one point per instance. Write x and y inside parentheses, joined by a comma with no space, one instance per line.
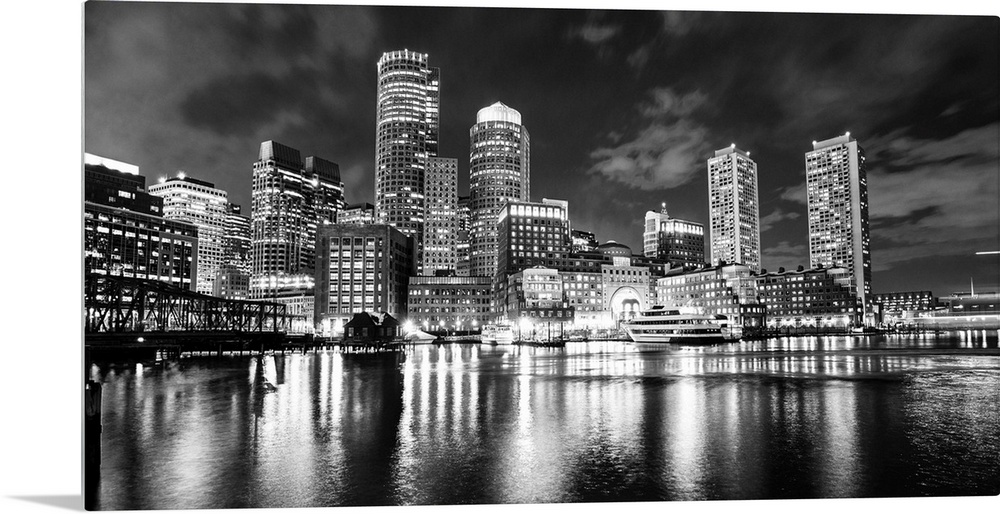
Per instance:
(372,319)
(498,112)
(614,247)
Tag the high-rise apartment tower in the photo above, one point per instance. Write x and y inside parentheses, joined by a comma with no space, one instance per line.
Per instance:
(837,196)
(734,208)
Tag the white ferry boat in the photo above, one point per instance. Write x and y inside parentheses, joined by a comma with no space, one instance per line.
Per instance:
(663,325)
(498,333)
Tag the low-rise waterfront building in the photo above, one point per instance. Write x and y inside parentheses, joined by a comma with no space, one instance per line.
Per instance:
(130,244)
(449,303)
(817,299)
(727,289)
(124,231)
(536,300)
(584,292)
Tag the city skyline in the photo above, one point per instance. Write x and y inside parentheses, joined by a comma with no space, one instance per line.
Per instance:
(930,152)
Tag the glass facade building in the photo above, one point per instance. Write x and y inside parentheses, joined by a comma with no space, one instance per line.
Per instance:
(232,281)
(291,199)
(406,134)
(203,205)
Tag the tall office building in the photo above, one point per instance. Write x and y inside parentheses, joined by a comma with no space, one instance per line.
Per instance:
(529,234)
(406,134)
(291,198)
(203,205)
(441,229)
(678,241)
(734,208)
(837,196)
(232,280)
(499,171)
(463,243)
(357,214)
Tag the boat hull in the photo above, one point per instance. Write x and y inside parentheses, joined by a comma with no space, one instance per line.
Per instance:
(666,339)
(493,341)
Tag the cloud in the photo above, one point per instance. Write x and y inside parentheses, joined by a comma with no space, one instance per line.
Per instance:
(198,86)
(769,221)
(666,102)
(595,33)
(944,203)
(676,23)
(796,193)
(784,255)
(638,58)
(929,197)
(667,152)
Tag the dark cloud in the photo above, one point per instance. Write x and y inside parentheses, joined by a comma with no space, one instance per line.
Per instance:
(624,107)
(238,105)
(768,222)
(667,152)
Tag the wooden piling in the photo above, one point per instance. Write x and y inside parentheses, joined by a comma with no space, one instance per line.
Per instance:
(92,440)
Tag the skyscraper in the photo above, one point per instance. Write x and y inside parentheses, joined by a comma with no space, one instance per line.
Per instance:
(441,230)
(203,205)
(837,196)
(678,241)
(499,170)
(290,199)
(232,280)
(462,245)
(406,134)
(734,209)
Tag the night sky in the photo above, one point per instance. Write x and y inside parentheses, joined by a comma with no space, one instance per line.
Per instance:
(623,108)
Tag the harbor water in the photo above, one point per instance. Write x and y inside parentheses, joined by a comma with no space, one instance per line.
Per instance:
(792,417)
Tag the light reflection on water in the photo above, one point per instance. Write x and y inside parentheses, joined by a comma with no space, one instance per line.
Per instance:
(783,418)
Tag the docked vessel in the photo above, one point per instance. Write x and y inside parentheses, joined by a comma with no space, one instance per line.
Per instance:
(498,333)
(663,325)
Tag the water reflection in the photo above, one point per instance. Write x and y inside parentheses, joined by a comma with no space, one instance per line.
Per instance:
(784,418)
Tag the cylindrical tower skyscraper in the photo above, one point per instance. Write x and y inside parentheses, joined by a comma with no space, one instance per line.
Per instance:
(499,170)
(405,136)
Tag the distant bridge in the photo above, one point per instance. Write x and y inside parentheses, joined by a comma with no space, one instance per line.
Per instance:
(144,313)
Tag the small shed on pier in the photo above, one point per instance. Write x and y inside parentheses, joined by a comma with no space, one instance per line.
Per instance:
(371,327)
